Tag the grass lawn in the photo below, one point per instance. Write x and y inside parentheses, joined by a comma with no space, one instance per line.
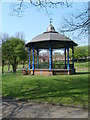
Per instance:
(82,64)
(78,66)
(62,89)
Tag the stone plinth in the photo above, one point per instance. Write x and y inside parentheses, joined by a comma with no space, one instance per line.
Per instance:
(51,72)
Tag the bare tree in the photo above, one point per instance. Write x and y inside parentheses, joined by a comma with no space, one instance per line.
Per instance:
(3,37)
(79,22)
(20,35)
(20,6)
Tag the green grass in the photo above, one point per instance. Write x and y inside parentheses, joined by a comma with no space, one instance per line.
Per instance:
(82,64)
(62,89)
(20,66)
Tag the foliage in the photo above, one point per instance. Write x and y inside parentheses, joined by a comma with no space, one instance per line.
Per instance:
(79,52)
(82,64)
(13,50)
(70,90)
(22,54)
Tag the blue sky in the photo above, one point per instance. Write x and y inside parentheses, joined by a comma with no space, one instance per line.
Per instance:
(35,21)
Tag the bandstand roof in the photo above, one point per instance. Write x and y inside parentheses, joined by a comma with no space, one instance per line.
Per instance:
(52,37)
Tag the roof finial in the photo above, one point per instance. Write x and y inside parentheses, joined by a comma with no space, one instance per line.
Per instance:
(50,20)
(50,27)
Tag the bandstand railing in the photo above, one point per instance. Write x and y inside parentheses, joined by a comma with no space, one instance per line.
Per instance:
(58,66)
(61,66)
(42,66)
(54,66)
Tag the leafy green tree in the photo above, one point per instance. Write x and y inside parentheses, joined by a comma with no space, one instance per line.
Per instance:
(79,52)
(88,50)
(70,53)
(13,49)
(22,53)
(3,62)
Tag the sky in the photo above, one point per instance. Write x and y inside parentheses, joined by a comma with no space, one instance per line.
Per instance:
(34,21)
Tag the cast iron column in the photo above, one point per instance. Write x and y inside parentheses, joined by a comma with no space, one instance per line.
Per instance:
(73,57)
(37,58)
(50,58)
(29,60)
(33,58)
(65,57)
(68,58)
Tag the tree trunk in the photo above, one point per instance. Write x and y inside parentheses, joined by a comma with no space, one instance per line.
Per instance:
(2,67)
(17,65)
(23,65)
(14,66)
(8,67)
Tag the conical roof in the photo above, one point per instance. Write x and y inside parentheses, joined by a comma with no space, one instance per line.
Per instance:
(51,37)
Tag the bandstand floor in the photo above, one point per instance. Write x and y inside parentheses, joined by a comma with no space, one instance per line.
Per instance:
(51,72)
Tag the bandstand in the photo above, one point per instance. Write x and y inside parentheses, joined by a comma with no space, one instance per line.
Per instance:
(51,40)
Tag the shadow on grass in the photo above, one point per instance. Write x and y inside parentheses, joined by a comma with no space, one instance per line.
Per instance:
(77,73)
(54,89)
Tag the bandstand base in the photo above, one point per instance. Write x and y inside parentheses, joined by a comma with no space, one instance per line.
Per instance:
(51,72)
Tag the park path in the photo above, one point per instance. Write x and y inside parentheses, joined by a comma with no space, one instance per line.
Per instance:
(24,109)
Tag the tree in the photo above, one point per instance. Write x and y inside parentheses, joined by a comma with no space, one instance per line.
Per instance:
(3,61)
(79,52)
(80,22)
(22,53)
(20,35)
(70,53)
(3,38)
(20,7)
(0,56)
(12,50)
